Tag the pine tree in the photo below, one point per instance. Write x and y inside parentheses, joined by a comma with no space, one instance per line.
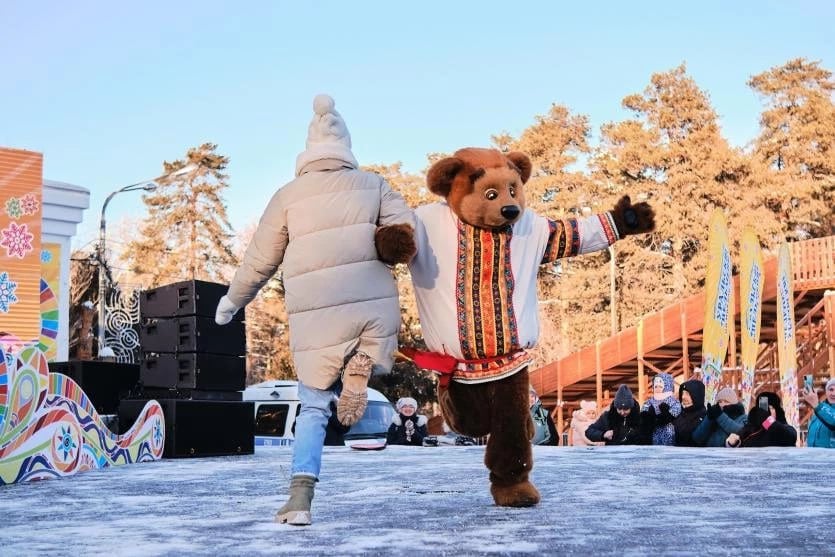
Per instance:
(672,152)
(797,141)
(186,234)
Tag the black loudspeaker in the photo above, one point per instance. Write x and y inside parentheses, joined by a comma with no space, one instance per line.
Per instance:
(195,428)
(191,297)
(192,334)
(188,394)
(104,383)
(193,370)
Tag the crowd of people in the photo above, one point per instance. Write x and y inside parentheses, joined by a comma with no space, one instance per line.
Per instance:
(683,420)
(679,419)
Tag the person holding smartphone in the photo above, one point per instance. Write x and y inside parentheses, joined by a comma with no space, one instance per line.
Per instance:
(822,425)
(766,427)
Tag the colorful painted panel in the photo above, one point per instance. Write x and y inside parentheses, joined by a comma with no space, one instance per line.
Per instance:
(786,344)
(718,302)
(49,428)
(21,181)
(50,289)
(751,293)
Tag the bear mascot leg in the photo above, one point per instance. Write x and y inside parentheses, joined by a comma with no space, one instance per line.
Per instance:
(500,408)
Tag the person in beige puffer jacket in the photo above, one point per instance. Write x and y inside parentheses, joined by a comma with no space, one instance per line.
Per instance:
(333,229)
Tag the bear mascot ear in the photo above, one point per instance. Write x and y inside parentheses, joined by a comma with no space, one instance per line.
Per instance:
(522,163)
(442,174)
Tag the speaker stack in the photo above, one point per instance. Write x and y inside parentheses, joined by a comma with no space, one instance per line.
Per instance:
(195,369)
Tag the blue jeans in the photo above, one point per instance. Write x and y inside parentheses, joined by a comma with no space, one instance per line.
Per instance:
(310,429)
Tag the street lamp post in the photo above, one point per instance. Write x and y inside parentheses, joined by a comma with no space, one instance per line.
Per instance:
(145,185)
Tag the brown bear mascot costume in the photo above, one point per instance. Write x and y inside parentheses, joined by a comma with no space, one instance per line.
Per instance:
(474,276)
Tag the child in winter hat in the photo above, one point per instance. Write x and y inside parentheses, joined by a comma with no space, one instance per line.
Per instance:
(327,136)
(406,401)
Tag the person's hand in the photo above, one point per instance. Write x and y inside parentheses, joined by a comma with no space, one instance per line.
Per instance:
(810,397)
(226,310)
(648,417)
(732,440)
(665,410)
(608,435)
(713,411)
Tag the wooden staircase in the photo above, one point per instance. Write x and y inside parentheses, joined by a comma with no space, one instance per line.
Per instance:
(670,340)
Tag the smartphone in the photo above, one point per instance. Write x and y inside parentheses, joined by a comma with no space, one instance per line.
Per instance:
(762,402)
(809,383)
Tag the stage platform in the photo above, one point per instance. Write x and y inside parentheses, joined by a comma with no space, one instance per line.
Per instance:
(435,501)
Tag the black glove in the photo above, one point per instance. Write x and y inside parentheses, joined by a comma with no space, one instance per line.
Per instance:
(713,411)
(664,415)
(648,418)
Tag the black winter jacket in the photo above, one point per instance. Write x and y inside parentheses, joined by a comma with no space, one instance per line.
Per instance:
(627,431)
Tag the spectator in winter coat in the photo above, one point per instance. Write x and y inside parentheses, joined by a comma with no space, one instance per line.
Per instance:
(545,432)
(621,423)
(822,425)
(407,427)
(659,411)
(765,428)
(691,394)
(580,421)
(722,419)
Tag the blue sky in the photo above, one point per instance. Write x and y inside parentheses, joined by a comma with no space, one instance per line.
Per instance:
(108,90)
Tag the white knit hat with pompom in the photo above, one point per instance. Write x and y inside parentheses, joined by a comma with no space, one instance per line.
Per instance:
(327,136)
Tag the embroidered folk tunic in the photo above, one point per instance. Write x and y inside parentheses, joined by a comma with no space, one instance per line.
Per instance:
(476,288)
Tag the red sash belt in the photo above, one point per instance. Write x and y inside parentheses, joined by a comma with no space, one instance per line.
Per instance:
(444,364)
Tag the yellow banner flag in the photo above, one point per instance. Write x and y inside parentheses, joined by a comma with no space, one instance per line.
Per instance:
(21,182)
(751,280)
(718,287)
(786,346)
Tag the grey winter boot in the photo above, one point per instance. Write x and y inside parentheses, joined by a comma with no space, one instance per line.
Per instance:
(354,397)
(296,510)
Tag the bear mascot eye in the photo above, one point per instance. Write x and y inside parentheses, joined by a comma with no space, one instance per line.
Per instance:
(491,194)
(512,189)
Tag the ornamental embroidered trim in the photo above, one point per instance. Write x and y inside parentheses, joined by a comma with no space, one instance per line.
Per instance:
(563,240)
(484,296)
(607,222)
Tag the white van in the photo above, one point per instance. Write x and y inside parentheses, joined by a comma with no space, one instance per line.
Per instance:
(277,405)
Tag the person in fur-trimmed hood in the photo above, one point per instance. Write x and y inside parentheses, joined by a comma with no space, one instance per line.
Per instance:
(407,427)
(722,419)
(659,411)
(333,230)
(691,394)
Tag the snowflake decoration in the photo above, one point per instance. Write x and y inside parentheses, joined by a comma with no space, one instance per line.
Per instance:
(17,240)
(7,295)
(13,208)
(46,256)
(64,442)
(157,433)
(29,204)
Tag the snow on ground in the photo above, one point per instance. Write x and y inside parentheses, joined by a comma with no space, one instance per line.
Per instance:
(436,501)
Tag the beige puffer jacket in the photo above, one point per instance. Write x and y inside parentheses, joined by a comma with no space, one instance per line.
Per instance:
(339,296)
